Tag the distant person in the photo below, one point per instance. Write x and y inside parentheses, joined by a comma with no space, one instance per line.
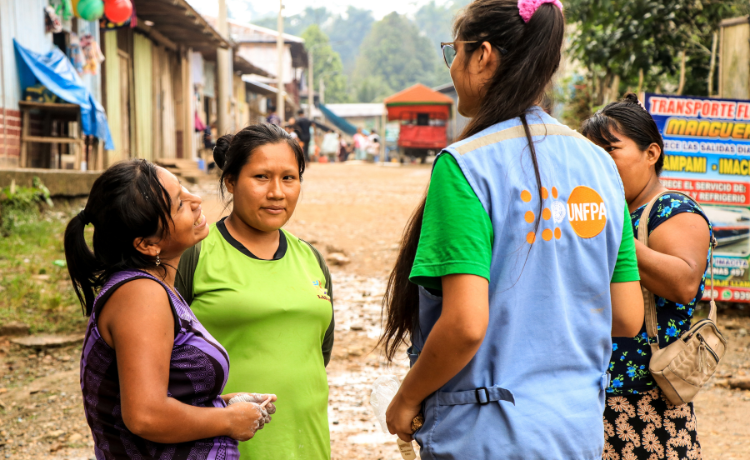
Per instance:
(273,118)
(509,303)
(331,145)
(305,135)
(360,145)
(152,377)
(638,420)
(208,142)
(344,150)
(373,144)
(265,294)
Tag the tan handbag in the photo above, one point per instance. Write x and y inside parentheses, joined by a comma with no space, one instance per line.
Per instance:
(683,367)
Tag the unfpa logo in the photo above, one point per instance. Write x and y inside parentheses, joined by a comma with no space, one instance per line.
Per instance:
(586,212)
(585,208)
(547,214)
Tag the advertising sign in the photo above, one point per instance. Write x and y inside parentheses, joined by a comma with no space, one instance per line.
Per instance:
(707,156)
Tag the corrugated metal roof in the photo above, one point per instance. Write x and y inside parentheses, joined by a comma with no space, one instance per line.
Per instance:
(258,87)
(180,23)
(357,110)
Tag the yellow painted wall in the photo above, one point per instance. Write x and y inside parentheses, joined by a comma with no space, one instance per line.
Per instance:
(113,109)
(144,100)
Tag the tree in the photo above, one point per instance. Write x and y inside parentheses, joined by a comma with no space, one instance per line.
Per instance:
(326,65)
(345,32)
(371,89)
(436,23)
(634,43)
(395,55)
(297,23)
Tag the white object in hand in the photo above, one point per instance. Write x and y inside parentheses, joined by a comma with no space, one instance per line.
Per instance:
(245,397)
(383,391)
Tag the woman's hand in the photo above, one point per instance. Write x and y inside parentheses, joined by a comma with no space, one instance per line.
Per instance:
(245,419)
(257,398)
(399,416)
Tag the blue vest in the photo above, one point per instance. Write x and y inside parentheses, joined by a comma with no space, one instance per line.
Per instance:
(535,388)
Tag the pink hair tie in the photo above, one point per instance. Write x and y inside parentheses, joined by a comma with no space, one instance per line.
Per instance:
(527,8)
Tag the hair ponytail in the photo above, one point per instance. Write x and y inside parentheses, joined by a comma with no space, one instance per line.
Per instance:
(82,264)
(125,203)
(525,71)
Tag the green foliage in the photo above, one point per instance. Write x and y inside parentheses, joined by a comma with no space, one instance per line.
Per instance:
(394,56)
(577,101)
(372,89)
(34,285)
(345,31)
(326,65)
(436,23)
(621,37)
(21,204)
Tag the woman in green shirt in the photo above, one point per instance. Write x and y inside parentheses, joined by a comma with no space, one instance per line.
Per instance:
(265,295)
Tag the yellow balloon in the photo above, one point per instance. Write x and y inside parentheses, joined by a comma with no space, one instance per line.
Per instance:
(75,7)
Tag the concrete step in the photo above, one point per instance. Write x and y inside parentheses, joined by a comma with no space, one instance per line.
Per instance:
(177,163)
(187,170)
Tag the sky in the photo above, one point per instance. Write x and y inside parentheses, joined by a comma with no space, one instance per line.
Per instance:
(246,10)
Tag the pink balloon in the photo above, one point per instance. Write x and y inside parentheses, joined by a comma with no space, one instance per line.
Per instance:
(118,11)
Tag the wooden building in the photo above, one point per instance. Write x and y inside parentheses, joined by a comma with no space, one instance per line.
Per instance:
(24,21)
(149,93)
(734,58)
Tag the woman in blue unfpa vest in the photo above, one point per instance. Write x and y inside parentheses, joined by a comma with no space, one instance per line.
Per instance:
(518,268)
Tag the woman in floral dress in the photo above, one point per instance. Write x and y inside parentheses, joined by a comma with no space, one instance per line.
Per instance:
(639,423)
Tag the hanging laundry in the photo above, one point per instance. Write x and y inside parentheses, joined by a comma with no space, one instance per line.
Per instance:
(52,21)
(75,54)
(92,54)
(199,125)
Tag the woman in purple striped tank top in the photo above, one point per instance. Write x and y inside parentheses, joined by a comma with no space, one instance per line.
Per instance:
(152,377)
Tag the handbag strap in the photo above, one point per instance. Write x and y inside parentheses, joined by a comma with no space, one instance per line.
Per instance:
(648,298)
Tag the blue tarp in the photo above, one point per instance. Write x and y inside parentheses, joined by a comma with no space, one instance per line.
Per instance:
(339,122)
(55,71)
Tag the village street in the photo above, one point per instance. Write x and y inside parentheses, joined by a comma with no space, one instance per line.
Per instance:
(357,210)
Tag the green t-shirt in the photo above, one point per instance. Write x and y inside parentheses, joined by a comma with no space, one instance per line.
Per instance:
(271,316)
(447,246)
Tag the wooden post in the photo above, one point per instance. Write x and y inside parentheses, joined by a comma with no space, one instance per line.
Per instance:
(712,65)
(280,110)
(615,90)
(721,62)
(25,120)
(382,136)
(682,73)
(79,149)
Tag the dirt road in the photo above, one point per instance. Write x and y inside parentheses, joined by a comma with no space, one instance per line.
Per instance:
(359,210)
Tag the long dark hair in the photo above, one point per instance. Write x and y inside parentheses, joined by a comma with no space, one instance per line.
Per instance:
(233,151)
(126,202)
(629,118)
(532,58)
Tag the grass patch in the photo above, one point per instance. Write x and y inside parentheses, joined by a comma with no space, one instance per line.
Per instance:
(33,290)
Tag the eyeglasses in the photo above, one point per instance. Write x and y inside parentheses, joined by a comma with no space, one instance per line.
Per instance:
(449,50)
